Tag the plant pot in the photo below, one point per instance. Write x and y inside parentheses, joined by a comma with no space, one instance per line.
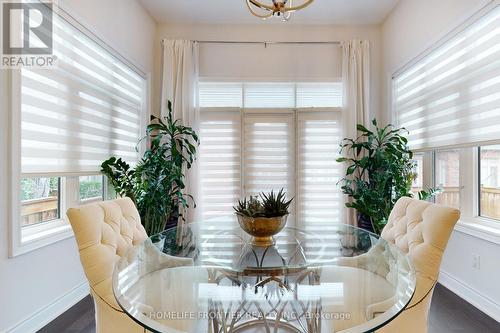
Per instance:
(364,222)
(262,229)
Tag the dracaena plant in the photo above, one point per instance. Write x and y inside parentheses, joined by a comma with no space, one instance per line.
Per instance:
(157,183)
(264,205)
(380,170)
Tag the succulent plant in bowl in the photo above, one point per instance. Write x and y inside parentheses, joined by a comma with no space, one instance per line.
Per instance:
(263,216)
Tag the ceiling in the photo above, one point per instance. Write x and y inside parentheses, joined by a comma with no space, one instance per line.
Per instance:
(338,12)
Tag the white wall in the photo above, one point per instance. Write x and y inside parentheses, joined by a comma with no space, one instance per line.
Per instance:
(124,24)
(413,26)
(34,281)
(275,32)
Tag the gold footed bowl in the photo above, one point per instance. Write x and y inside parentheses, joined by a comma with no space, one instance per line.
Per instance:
(262,229)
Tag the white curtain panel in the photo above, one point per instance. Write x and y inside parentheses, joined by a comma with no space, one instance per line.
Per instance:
(356,83)
(180,72)
(180,80)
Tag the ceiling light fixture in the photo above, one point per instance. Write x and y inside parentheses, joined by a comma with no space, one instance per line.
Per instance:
(279,8)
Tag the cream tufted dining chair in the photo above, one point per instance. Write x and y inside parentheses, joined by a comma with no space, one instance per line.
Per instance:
(104,232)
(421,230)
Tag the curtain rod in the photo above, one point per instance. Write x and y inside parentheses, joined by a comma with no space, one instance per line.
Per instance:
(265,42)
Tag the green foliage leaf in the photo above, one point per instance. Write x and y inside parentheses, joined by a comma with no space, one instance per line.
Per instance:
(157,183)
(379,171)
(351,169)
(265,205)
(429,193)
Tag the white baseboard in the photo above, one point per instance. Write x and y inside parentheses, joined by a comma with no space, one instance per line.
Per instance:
(481,302)
(44,316)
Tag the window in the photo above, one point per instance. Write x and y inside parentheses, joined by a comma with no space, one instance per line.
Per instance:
(446,172)
(418,182)
(40,200)
(489,168)
(448,100)
(220,162)
(318,198)
(91,188)
(268,153)
(266,136)
(67,120)
(450,96)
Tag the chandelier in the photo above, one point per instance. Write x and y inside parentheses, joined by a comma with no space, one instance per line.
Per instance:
(279,8)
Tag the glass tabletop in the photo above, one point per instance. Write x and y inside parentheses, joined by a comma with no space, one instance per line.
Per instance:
(208,277)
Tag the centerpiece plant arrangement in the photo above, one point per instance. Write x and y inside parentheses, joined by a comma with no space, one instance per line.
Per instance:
(380,170)
(157,183)
(263,216)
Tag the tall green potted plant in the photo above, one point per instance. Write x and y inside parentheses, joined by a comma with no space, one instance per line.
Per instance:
(380,170)
(157,183)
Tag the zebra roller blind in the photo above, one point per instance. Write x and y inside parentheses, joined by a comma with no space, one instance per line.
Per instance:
(267,136)
(451,97)
(82,111)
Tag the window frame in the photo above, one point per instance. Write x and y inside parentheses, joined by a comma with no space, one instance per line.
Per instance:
(47,233)
(293,111)
(61,183)
(33,237)
(50,228)
(484,220)
(93,199)
(419,175)
(26,239)
(337,113)
(470,221)
(434,172)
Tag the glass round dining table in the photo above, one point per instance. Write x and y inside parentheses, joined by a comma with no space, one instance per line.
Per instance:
(208,277)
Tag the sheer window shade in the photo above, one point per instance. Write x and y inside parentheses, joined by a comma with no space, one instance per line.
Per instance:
(319,199)
(81,112)
(220,162)
(319,94)
(221,94)
(270,95)
(245,151)
(268,162)
(451,96)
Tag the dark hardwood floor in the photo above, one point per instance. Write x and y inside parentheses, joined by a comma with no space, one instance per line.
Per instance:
(78,319)
(449,314)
